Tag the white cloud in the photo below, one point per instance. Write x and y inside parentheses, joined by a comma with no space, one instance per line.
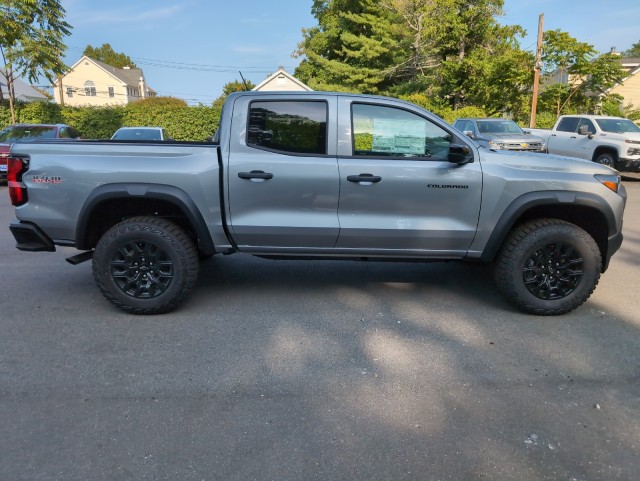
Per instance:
(128,16)
(249,49)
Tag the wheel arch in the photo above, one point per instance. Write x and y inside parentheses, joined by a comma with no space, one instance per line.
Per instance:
(111,203)
(588,211)
(602,149)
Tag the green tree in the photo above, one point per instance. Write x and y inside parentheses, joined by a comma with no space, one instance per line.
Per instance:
(31,41)
(106,54)
(230,87)
(633,52)
(452,49)
(584,75)
(354,47)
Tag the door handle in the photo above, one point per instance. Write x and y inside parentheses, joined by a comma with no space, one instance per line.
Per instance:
(255,174)
(365,179)
(574,137)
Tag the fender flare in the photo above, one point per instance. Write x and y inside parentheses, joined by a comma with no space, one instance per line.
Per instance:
(543,198)
(168,193)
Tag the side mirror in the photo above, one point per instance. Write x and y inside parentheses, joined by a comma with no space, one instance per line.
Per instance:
(583,130)
(469,134)
(459,154)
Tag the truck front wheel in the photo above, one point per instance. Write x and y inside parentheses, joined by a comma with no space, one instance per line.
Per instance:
(606,158)
(145,265)
(548,266)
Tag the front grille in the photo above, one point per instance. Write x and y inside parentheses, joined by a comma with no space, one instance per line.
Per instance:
(524,146)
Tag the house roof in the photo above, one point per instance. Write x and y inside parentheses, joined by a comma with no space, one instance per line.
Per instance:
(23,90)
(128,76)
(275,75)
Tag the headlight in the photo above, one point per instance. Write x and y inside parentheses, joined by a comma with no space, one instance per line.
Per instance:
(496,145)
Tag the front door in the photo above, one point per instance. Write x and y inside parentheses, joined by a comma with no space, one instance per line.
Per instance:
(398,192)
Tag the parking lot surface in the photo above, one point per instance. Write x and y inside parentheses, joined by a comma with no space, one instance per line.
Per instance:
(301,370)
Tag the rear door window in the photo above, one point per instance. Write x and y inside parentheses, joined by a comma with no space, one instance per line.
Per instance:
(296,127)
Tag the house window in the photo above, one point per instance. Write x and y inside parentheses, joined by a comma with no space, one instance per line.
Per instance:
(89,89)
(111,92)
(69,92)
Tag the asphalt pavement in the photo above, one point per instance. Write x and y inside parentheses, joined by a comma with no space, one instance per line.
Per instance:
(312,370)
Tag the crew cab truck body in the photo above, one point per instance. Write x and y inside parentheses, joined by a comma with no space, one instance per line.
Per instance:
(321,175)
(611,141)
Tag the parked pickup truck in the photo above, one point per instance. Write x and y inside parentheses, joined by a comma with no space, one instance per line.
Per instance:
(611,141)
(500,134)
(317,175)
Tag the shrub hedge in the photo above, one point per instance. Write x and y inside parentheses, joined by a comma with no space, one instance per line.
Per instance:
(181,121)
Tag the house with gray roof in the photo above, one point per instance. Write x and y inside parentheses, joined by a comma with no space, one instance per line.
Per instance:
(91,82)
(23,90)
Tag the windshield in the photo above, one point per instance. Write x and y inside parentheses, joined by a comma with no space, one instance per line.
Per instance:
(16,133)
(618,126)
(137,134)
(499,127)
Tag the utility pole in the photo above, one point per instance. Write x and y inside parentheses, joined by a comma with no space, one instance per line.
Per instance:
(60,91)
(536,77)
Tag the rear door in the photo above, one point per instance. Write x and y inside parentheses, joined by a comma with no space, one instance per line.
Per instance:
(563,140)
(283,184)
(398,192)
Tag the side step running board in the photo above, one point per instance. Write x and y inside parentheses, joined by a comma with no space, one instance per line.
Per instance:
(77,259)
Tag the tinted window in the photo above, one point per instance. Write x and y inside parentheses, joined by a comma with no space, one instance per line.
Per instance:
(465,126)
(590,127)
(617,125)
(296,127)
(14,134)
(137,134)
(499,127)
(388,131)
(568,124)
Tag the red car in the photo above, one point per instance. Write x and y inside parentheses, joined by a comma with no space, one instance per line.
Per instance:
(27,132)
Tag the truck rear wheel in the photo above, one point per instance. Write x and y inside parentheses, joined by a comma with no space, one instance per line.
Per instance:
(145,265)
(548,266)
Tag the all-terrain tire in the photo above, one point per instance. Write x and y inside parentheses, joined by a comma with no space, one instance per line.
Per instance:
(548,266)
(145,265)
(608,159)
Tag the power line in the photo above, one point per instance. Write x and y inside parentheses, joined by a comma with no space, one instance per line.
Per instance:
(191,66)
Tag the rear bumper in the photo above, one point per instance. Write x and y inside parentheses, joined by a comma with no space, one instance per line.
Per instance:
(29,237)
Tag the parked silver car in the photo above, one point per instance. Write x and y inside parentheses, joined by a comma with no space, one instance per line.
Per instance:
(140,133)
(500,134)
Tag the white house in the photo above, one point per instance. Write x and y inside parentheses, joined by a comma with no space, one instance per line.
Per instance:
(91,82)
(281,81)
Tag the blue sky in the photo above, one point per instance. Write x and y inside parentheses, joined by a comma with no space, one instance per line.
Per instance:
(191,48)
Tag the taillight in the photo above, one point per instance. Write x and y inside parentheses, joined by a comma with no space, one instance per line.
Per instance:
(17,190)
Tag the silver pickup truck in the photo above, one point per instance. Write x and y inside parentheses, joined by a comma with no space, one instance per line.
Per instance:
(500,134)
(317,175)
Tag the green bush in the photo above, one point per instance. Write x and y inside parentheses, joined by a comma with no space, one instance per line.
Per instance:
(545,120)
(181,121)
(94,122)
